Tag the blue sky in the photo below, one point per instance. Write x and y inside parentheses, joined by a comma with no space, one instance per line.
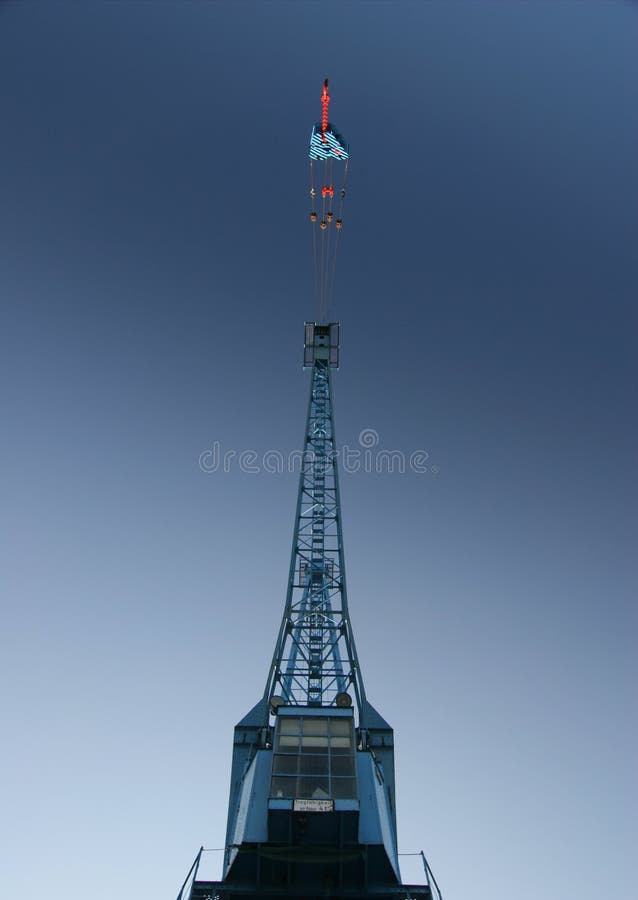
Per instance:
(155,273)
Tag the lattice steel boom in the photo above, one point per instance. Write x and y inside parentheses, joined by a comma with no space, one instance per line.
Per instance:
(315,660)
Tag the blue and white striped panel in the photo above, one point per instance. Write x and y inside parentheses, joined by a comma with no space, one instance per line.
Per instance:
(334,147)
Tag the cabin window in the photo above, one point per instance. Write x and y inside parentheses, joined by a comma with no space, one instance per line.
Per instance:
(314,758)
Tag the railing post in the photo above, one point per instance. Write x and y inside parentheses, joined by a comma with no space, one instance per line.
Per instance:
(192,871)
(197,862)
(429,874)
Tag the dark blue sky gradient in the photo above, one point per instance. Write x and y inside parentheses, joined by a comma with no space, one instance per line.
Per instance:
(155,272)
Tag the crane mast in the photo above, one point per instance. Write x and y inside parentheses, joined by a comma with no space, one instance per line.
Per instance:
(315,661)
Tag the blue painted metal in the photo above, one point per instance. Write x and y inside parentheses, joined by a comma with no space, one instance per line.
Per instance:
(312,810)
(333,147)
(315,658)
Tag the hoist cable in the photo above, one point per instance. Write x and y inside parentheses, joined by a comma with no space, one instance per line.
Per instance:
(336,246)
(313,225)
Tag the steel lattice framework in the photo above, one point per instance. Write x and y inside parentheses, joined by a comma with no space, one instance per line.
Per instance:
(315,658)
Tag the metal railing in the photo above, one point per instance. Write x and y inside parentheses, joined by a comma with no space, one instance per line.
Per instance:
(430,880)
(202,867)
(186,890)
(187,887)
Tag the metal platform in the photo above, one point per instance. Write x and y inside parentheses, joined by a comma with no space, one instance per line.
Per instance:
(218,890)
(329,885)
